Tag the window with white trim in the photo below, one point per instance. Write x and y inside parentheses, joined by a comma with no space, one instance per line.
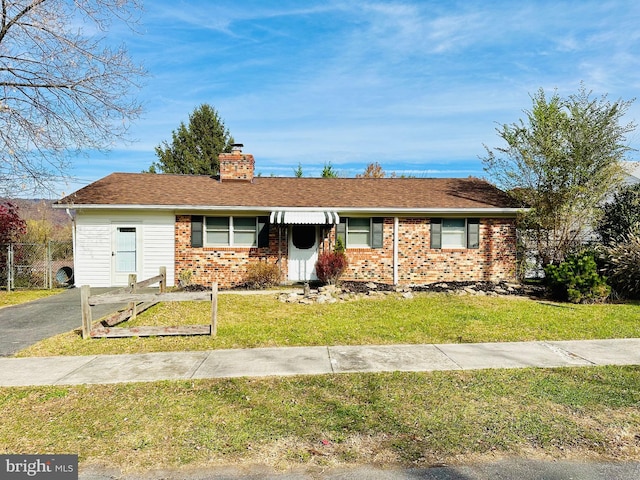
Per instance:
(455,233)
(245,231)
(229,231)
(218,231)
(361,232)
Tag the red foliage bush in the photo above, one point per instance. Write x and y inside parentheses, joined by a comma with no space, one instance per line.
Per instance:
(11,225)
(330,266)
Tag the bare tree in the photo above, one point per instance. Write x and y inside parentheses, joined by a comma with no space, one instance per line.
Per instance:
(63,89)
(373,170)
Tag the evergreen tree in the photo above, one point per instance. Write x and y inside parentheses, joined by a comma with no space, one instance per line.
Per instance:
(194,149)
(328,171)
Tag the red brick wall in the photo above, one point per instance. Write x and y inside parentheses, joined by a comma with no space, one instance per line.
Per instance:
(417,263)
(495,260)
(226,265)
(236,166)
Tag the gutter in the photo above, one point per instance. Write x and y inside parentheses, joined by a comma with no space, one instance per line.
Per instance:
(73,235)
(344,210)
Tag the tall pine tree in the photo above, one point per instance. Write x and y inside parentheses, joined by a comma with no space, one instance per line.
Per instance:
(194,149)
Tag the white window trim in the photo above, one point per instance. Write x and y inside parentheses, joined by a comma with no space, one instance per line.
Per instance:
(464,235)
(231,242)
(465,240)
(369,235)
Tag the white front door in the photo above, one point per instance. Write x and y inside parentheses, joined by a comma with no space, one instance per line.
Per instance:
(303,253)
(125,254)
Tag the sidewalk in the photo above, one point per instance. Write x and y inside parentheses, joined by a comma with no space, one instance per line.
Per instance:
(261,362)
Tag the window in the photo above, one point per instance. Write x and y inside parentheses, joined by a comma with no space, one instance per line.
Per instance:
(229,231)
(218,230)
(358,232)
(244,231)
(361,232)
(455,233)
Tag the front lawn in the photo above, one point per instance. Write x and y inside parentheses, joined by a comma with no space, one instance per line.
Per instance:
(414,419)
(17,297)
(263,321)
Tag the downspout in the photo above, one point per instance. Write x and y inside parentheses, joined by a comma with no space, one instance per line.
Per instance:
(396,226)
(280,249)
(73,239)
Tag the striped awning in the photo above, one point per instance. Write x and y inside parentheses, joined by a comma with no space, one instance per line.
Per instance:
(287,217)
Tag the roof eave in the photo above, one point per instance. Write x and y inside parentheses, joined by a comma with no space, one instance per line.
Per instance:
(401,211)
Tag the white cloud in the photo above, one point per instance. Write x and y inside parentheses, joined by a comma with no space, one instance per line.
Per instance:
(411,84)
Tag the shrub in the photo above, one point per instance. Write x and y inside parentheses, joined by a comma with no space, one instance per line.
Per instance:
(184,278)
(623,266)
(621,215)
(330,266)
(262,275)
(577,280)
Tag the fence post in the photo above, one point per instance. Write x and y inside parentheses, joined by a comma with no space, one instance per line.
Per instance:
(133,279)
(49,264)
(8,267)
(163,282)
(85,293)
(214,309)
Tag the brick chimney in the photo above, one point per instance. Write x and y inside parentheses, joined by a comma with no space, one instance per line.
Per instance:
(236,166)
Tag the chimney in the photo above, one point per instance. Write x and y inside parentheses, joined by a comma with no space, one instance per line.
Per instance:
(236,166)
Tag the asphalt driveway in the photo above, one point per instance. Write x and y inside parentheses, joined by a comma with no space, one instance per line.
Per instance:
(28,323)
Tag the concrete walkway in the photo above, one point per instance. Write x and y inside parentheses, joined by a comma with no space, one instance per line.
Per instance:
(261,362)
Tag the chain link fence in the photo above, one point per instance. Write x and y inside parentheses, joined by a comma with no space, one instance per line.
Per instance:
(36,265)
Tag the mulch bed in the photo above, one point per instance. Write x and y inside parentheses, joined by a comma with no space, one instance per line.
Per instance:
(501,288)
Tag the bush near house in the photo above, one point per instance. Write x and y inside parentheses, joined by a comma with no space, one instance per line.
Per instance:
(577,280)
(623,266)
(330,266)
(262,275)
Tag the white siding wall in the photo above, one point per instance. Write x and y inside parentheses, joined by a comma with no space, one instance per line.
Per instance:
(159,247)
(93,247)
(92,253)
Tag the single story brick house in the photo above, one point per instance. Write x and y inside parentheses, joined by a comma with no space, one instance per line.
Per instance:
(396,230)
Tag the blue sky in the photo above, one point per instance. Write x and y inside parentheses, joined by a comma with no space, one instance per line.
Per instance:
(417,86)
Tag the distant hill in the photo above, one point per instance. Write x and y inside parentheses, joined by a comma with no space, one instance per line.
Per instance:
(40,209)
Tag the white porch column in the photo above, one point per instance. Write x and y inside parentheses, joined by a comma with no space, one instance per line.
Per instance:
(396,226)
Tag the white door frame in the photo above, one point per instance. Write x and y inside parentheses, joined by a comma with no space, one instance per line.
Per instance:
(302,262)
(122,249)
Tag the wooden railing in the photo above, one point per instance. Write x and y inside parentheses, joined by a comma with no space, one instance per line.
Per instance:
(139,302)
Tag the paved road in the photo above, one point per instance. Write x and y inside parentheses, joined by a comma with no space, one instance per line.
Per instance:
(28,323)
(509,469)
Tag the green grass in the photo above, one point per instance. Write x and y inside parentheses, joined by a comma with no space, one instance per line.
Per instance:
(17,297)
(263,321)
(388,418)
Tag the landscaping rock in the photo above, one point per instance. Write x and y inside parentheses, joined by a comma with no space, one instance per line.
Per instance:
(353,291)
